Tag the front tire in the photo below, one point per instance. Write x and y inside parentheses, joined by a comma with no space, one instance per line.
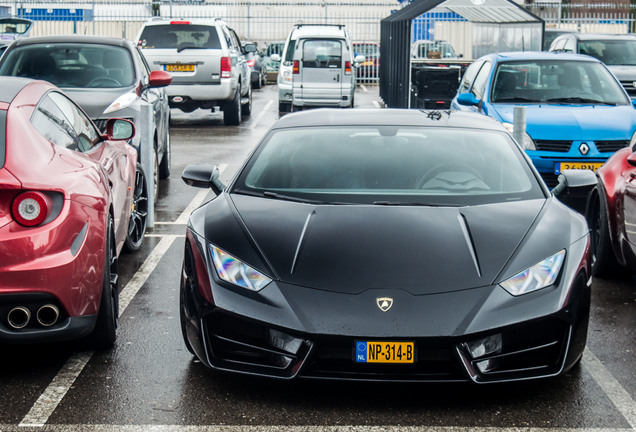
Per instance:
(105,332)
(166,163)
(139,213)
(604,261)
(188,284)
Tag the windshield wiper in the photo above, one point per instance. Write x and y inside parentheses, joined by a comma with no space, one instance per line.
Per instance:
(275,195)
(190,47)
(514,99)
(413,204)
(580,100)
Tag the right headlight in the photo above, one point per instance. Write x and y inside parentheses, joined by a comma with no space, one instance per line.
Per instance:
(527,144)
(540,275)
(237,272)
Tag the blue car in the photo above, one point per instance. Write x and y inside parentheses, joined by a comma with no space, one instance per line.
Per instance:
(577,112)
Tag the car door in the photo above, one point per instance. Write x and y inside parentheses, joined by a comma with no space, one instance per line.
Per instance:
(321,77)
(629,202)
(109,159)
(238,59)
(155,97)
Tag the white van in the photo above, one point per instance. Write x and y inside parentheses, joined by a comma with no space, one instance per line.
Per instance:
(317,68)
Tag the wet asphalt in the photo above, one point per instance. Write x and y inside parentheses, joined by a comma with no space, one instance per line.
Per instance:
(150,381)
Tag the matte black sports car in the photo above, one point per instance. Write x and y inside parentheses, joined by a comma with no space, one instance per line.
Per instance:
(386,244)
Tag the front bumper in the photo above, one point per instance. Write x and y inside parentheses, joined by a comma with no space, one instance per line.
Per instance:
(289,331)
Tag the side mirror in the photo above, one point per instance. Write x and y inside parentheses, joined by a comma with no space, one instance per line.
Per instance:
(203,176)
(249,48)
(159,78)
(275,57)
(119,129)
(573,188)
(467,99)
(359,59)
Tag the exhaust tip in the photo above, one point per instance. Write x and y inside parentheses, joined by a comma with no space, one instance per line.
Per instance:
(19,317)
(47,315)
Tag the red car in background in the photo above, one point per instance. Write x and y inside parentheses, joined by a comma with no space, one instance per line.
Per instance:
(69,197)
(611,214)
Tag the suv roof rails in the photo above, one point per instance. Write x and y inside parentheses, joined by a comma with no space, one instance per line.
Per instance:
(340,26)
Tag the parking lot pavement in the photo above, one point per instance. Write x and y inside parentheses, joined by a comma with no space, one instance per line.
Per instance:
(149,381)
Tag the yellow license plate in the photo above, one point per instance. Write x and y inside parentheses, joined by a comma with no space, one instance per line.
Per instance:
(180,68)
(593,166)
(384,352)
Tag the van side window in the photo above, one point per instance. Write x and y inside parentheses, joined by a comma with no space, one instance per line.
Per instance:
(323,53)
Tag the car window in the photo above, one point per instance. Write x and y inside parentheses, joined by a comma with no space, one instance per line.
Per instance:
(236,42)
(274,48)
(367,50)
(179,36)
(227,37)
(289,54)
(611,52)
(469,76)
(322,53)
(481,80)
(72,65)
(367,164)
(556,81)
(61,122)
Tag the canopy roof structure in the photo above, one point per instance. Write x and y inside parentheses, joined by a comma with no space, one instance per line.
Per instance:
(497,25)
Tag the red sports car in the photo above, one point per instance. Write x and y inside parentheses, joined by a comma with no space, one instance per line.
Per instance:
(69,200)
(611,214)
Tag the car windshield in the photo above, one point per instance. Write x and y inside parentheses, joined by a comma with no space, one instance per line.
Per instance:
(275,48)
(611,52)
(72,65)
(556,81)
(180,36)
(389,166)
(14,26)
(434,50)
(367,50)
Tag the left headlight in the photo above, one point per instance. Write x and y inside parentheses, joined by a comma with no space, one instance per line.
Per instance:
(540,275)
(123,101)
(237,272)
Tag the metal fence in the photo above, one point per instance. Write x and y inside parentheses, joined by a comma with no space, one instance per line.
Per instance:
(260,21)
(611,17)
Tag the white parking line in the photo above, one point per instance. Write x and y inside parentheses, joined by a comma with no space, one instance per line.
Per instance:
(48,401)
(274,428)
(261,114)
(612,388)
(375,103)
(363,87)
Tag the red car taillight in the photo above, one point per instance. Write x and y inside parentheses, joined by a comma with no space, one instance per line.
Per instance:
(226,67)
(251,63)
(296,67)
(347,68)
(30,208)
(179,22)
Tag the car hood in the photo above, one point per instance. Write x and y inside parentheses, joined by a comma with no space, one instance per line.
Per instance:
(575,122)
(624,72)
(94,101)
(350,249)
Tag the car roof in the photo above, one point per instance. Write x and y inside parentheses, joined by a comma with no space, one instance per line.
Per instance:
(11,86)
(179,21)
(603,36)
(103,40)
(539,55)
(387,117)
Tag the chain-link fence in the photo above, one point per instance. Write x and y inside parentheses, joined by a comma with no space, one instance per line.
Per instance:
(260,21)
(611,17)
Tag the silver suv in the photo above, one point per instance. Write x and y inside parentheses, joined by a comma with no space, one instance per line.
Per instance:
(207,63)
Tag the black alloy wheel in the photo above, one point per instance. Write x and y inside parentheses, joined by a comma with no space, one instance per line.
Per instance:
(138,214)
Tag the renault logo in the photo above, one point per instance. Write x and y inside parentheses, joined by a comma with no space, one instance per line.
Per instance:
(584,148)
(384,303)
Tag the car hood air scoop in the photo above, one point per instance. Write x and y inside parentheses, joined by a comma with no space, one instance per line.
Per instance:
(422,250)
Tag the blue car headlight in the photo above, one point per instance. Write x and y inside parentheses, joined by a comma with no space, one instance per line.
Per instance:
(237,272)
(540,275)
